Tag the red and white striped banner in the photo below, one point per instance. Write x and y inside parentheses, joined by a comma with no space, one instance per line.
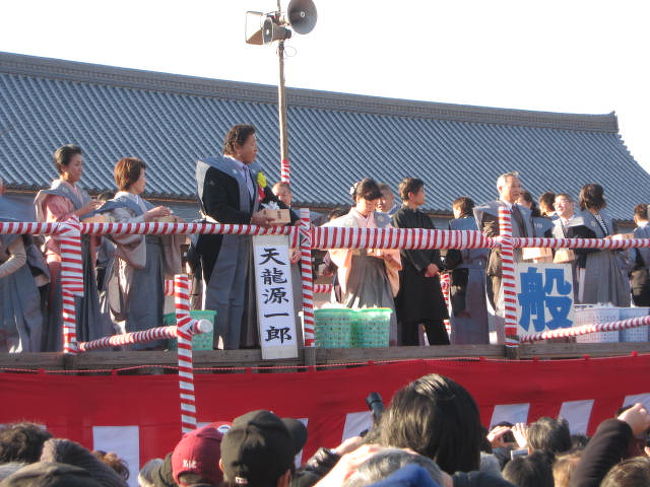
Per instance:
(169,287)
(185,364)
(508,277)
(72,283)
(586,329)
(445,284)
(307,278)
(158,333)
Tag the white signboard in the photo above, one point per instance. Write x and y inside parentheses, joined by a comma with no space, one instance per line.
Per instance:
(544,297)
(275,311)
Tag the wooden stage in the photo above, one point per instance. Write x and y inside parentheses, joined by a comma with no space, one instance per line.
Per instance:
(234,359)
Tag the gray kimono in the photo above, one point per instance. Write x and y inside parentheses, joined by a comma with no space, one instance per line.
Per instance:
(137,279)
(604,279)
(469,317)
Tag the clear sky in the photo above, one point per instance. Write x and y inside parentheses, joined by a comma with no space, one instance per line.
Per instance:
(573,56)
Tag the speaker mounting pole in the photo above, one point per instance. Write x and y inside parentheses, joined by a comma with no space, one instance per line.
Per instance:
(285,171)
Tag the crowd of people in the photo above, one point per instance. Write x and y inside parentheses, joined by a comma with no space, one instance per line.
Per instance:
(124,274)
(430,435)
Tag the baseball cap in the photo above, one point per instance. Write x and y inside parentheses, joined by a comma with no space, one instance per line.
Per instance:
(260,447)
(199,451)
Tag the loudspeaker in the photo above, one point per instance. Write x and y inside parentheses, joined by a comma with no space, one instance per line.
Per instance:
(254,27)
(274,32)
(302,15)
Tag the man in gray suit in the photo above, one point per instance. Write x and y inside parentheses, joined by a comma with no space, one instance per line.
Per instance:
(640,275)
(487,219)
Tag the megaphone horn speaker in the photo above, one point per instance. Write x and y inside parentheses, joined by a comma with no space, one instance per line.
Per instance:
(302,15)
(274,32)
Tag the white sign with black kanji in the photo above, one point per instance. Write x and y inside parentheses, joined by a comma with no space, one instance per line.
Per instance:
(274,291)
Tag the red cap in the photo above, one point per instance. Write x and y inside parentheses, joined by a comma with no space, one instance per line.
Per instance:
(199,452)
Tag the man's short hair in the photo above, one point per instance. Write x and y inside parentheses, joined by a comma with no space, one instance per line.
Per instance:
(384,187)
(22,442)
(641,211)
(565,196)
(629,473)
(549,435)
(564,466)
(409,185)
(281,184)
(533,470)
(237,136)
(501,180)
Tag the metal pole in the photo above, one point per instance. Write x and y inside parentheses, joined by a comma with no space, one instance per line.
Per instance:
(282,118)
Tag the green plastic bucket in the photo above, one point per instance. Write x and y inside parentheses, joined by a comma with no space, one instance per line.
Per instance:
(334,327)
(372,328)
(202,341)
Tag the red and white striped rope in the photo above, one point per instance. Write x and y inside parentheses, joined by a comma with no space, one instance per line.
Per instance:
(285,171)
(323,288)
(331,237)
(307,278)
(158,333)
(586,329)
(508,278)
(185,364)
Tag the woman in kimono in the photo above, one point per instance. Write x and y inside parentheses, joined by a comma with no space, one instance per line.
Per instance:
(604,277)
(569,225)
(143,261)
(420,299)
(63,200)
(368,277)
(469,316)
(21,317)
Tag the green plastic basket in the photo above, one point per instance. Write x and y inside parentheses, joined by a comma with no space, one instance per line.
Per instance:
(372,328)
(202,341)
(334,327)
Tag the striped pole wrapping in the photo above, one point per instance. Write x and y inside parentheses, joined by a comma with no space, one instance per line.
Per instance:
(445,283)
(323,288)
(285,171)
(72,284)
(307,277)
(158,333)
(508,277)
(586,329)
(185,365)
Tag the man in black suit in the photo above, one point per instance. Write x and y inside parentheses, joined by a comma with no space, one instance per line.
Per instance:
(231,189)
(639,277)
(487,219)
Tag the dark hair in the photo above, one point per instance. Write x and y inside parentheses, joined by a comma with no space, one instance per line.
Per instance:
(534,209)
(563,195)
(578,441)
(127,171)
(22,442)
(592,197)
(549,435)
(533,470)
(237,136)
(113,461)
(641,211)
(367,188)
(63,156)
(409,185)
(629,473)
(464,204)
(337,212)
(437,418)
(547,200)
(106,195)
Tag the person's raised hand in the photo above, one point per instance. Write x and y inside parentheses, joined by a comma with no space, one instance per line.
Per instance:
(520,431)
(157,212)
(495,436)
(637,417)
